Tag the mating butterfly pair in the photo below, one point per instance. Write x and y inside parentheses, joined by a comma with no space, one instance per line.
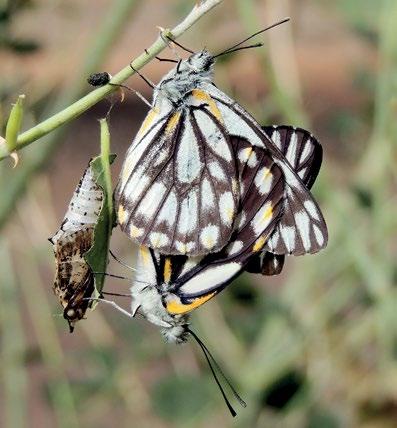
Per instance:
(207,193)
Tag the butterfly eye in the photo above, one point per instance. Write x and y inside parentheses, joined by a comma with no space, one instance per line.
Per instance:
(208,64)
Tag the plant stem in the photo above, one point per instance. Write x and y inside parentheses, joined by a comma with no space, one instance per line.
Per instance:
(84,103)
(33,161)
(105,153)
(13,345)
(288,105)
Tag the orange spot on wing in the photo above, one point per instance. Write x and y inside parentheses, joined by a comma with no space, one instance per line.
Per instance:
(267,174)
(200,95)
(177,308)
(121,214)
(173,121)
(167,269)
(144,252)
(149,119)
(268,213)
(259,244)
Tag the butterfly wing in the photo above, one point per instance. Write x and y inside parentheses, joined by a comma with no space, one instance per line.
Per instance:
(304,153)
(262,190)
(178,191)
(302,228)
(301,149)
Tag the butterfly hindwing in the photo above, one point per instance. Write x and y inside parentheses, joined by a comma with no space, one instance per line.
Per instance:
(304,153)
(302,229)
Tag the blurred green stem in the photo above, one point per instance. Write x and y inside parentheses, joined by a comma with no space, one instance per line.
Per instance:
(84,103)
(60,391)
(34,161)
(13,370)
(102,43)
(287,105)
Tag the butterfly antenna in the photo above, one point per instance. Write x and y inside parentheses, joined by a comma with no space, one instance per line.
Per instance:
(212,362)
(256,45)
(232,48)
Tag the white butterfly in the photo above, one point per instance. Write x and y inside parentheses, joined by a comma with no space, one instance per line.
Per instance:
(179,190)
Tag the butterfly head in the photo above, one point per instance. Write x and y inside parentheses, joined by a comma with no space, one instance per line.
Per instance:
(201,62)
(148,302)
(186,76)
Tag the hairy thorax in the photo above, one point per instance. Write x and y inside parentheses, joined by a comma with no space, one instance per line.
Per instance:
(181,80)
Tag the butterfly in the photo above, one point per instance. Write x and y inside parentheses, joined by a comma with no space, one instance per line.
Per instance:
(166,288)
(179,191)
(74,280)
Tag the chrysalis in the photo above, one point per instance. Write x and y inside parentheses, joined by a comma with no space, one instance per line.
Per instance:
(84,235)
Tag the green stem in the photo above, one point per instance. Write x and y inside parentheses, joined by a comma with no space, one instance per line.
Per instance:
(34,161)
(83,104)
(105,153)
(14,124)
(289,107)
(13,346)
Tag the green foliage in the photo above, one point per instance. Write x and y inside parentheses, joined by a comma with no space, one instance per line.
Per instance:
(14,124)
(181,399)
(97,255)
(329,318)
(321,418)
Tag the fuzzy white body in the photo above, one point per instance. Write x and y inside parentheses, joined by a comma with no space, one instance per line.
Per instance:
(148,298)
(191,74)
(149,217)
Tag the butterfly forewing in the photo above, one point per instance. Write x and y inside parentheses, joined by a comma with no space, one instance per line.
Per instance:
(179,195)
(302,229)
(300,148)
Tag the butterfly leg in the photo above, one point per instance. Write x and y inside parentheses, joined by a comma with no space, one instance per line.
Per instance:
(137,93)
(115,305)
(162,59)
(120,261)
(149,82)
(167,39)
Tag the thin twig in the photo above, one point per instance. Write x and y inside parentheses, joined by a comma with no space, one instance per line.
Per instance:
(84,103)
(33,161)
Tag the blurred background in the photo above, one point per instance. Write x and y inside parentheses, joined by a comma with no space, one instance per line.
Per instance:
(315,347)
